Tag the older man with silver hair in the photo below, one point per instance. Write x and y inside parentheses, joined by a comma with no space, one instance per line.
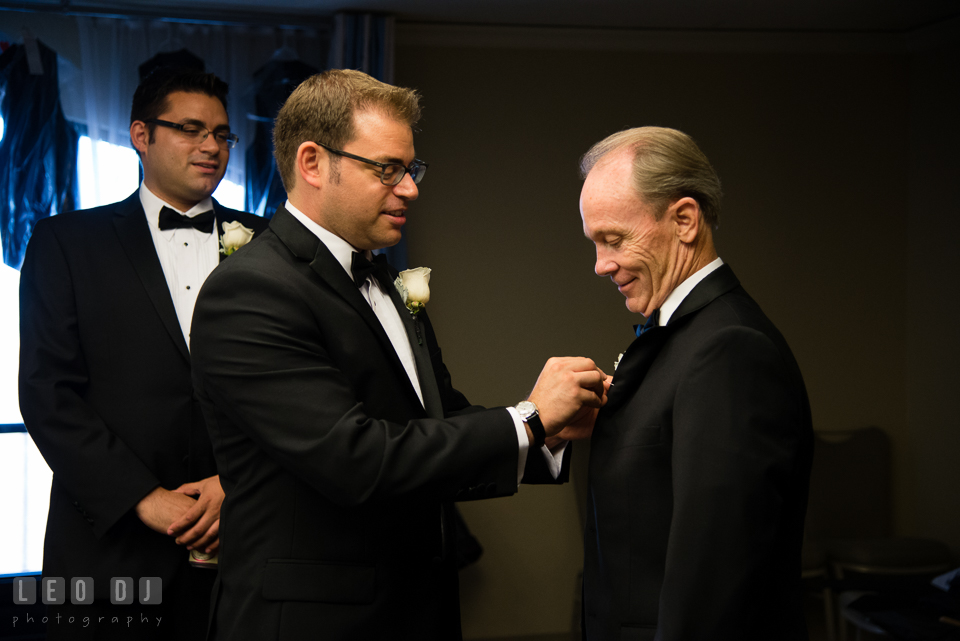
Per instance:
(700,461)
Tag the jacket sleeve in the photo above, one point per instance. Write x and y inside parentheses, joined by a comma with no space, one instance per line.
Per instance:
(264,367)
(97,469)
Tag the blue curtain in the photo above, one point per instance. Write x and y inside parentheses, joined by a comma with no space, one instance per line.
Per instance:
(38,153)
(365,41)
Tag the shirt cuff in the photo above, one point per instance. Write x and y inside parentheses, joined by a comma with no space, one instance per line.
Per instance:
(522,440)
(554,457)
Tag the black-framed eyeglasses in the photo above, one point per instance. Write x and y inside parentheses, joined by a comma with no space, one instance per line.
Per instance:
(391,173)
(197,134)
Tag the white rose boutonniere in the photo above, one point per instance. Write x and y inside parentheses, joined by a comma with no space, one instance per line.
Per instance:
(234,236)
(414,288)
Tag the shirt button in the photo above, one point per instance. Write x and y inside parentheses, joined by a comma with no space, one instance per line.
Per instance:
(188,286)
(186,244)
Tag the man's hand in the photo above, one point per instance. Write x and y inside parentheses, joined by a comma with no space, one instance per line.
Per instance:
(569,391)
(199,527)
(581,427)
(159,509)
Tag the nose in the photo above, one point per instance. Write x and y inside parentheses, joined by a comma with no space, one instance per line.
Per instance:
(604,265)
(406,188)
(209,145)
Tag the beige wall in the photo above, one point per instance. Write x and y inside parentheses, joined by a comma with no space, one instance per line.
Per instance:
(813,148)
(933,341)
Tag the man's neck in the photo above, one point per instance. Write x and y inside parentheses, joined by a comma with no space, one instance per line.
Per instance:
(683,289)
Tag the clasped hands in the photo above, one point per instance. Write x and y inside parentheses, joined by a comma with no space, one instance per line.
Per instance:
(569,393)
(195,522)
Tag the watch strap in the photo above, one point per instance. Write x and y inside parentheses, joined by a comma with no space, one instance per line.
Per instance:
(536,427)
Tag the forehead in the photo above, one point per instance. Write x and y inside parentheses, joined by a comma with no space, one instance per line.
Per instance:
(608,201)
(381,135)
(194,106)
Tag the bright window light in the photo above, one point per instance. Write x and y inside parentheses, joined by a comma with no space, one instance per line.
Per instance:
(9,345)
(25,476)
(23,502)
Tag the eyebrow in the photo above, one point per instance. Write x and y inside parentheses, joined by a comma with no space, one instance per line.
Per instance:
(392,160)
(200,123)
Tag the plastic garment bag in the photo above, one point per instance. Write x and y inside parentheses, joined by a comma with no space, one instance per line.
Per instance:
(38,153)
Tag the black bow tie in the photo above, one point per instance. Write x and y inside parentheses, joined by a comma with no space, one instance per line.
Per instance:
(361,268)
(170,219)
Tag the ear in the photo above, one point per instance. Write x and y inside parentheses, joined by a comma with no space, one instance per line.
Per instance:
(688,217)
(140,136)
(312,164)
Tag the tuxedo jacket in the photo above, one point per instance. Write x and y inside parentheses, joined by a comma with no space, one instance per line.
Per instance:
(105,390)
(699,468)
(334,473)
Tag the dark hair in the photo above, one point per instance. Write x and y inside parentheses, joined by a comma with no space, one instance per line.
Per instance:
(150,98)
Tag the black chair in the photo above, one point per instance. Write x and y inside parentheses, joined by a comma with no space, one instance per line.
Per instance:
(850,517)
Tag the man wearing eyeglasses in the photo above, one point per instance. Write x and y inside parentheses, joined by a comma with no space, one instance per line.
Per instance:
(339,438)
(107,298)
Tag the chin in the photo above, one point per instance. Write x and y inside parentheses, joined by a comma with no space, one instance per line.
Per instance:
(389,240)
(635,306)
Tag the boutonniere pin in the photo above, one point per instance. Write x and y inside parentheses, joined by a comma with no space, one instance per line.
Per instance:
(616,363)
(414,287)
(234,236)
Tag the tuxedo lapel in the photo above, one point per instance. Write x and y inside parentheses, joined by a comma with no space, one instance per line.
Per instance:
(428,380)
(306,246)
(641,354)
(634,365)
(131,225)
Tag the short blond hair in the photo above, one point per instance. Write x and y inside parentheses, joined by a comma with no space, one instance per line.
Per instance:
(322,110)
(667,166)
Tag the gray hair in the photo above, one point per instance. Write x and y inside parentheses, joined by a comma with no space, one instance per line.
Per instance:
(667,166)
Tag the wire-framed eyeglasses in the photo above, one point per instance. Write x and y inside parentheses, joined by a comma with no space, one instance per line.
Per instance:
(197,134)
(391,173)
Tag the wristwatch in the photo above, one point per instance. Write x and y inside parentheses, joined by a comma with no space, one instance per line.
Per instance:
(529,415)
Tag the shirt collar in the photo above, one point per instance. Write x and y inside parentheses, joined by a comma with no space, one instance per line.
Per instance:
(152,204)
(676,297)
(341,249)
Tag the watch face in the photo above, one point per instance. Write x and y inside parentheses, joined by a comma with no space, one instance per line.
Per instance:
(526,409)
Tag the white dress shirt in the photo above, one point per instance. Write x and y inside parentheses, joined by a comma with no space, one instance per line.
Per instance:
(676,297)
(389,317)
(187,256)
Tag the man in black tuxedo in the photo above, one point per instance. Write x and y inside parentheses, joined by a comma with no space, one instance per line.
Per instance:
(700,460)
(338,435)
(106,298)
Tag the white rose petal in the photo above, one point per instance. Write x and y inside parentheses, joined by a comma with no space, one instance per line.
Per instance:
(235,236)
(398,283)
(417,283)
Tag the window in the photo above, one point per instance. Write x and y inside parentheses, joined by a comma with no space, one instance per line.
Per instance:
(24,476)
